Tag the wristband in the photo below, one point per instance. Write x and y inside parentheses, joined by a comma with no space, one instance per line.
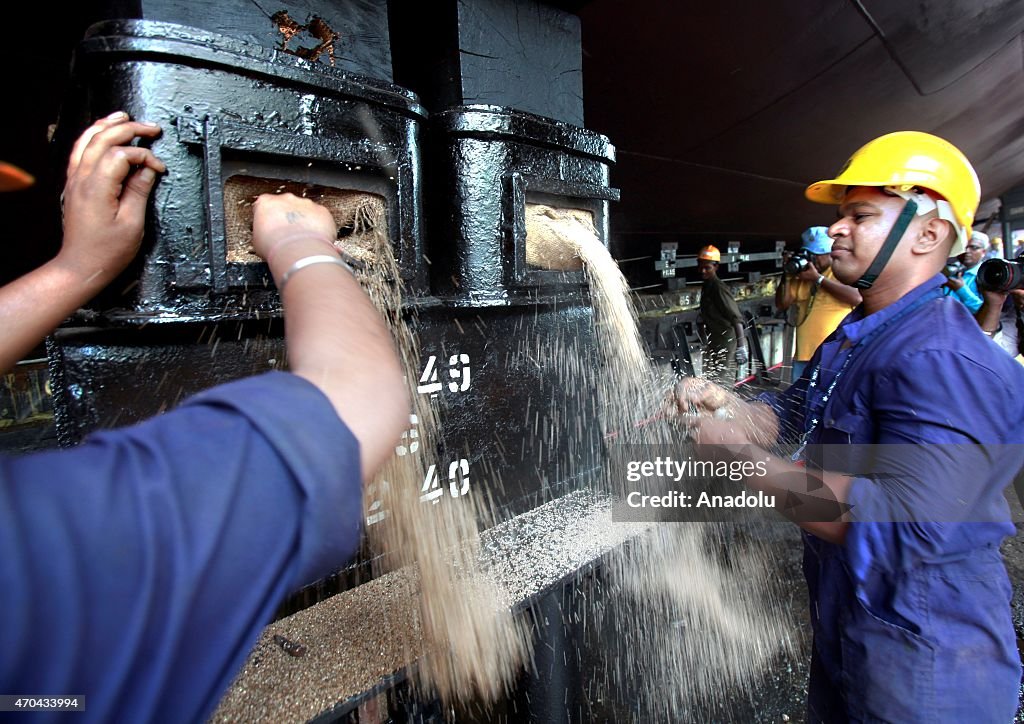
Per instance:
(821,278)
(307,261)
(298,237)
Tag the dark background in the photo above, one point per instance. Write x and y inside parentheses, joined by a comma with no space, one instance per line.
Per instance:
(722,112)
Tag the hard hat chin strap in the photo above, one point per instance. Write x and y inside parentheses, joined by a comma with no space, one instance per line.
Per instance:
(889,246)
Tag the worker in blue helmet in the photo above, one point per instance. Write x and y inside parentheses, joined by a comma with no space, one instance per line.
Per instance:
(816,240)
(821,301)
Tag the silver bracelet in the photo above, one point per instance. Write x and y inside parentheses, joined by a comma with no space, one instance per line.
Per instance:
(310,261)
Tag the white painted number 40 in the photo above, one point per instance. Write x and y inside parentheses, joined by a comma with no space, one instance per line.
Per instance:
(458,482)
(431,491)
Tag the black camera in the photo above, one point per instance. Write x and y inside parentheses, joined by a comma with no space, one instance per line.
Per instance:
(798,262)
(954,268)
(1001,275)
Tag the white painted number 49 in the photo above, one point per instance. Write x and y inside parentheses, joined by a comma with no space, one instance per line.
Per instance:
(458,372)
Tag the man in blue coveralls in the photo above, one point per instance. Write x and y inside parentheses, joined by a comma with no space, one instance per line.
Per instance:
(900,499)
(139,568)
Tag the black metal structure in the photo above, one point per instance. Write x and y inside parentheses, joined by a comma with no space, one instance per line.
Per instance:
(229,108)
(188,316)
(524,55)
(232,109)
(457,188)
(497,160)
(351,36)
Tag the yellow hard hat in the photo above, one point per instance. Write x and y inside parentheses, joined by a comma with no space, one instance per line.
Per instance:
(903,160)
(710,253)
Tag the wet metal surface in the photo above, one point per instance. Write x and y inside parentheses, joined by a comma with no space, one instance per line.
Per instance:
(26,408)
(222,102)
(362,637)
(523,433)
(351,35)
(358,641)
(486,163)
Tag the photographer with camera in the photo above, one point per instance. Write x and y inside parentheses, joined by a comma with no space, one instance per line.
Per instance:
(821,300)
(962,272)
(1001,316)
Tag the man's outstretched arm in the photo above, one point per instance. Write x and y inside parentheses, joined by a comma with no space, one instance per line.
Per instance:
(108,185)
(336,339)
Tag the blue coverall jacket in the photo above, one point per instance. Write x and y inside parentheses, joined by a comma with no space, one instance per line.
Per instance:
(911,615)
(139,568)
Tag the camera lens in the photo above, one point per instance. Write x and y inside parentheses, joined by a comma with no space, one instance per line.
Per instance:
(797,263)
(1000,275)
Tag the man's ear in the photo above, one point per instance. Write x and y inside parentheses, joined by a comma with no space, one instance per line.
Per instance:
(933,233)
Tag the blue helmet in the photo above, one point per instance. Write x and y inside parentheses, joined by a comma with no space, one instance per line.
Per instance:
(816,240)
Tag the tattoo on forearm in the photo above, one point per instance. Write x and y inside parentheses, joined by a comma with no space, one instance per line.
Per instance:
(293,217)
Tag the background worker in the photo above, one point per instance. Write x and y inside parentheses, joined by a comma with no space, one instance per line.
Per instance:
(902,510)
(964,286)
(822,301)
(139,568)
(726,345)
(995,249)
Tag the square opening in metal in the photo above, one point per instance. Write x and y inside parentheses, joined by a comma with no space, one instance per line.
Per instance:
(554,236)
(361,216)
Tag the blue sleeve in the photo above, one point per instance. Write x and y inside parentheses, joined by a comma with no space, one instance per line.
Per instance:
(938,489)
(789,406)
(968,294)
(139,568)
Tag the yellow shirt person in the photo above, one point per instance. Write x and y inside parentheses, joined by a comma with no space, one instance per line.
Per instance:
(821,301)
(818,314)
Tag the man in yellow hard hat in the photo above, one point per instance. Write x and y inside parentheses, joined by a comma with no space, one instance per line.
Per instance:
(901,500)
(726,346)
(995,249)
